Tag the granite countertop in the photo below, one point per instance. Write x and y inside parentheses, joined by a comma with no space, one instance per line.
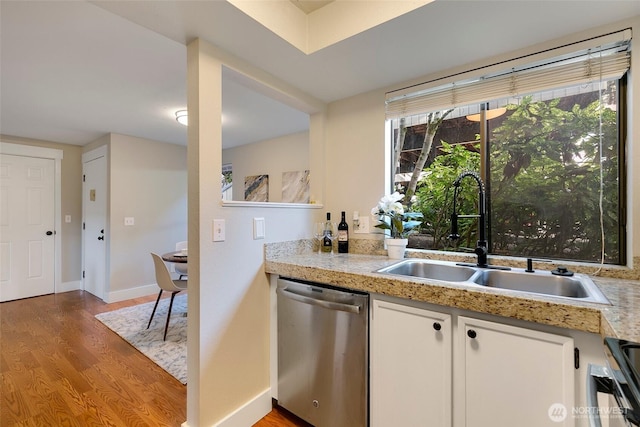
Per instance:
(621,319)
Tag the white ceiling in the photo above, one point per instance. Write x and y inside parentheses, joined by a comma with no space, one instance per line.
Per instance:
(72,71)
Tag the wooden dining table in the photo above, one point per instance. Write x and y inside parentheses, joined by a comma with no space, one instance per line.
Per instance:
(175,256)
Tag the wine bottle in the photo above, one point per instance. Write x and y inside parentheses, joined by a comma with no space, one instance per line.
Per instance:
(327,239)
(343,236)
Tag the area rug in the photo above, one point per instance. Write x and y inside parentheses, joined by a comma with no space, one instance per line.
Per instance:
(131,324)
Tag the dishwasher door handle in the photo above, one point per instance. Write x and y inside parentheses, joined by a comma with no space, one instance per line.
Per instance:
(598,380)
(318,302)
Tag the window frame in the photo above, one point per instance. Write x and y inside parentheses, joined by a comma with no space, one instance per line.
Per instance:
(485,166)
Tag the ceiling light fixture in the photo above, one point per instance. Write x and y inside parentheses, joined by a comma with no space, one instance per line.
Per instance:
(489,114)
(182,117)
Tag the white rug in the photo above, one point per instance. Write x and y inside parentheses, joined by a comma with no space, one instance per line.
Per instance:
(131,323)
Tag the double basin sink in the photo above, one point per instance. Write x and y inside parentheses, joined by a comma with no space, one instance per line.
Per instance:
(576,287)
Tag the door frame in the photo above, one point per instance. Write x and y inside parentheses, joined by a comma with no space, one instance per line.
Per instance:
(56,155)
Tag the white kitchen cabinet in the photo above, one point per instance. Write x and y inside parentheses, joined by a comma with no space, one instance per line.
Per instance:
(511,376)
(505,376)
(410,366)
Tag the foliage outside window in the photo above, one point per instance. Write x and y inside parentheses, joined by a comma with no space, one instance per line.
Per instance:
(552,169)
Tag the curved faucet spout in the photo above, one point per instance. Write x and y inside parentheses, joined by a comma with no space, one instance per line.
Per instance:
(472,174)
(481,247)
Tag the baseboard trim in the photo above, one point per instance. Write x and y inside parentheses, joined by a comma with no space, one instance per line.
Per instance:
(69,286)
(249,413)
(125,294)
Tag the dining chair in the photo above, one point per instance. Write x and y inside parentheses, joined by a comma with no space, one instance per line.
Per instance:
(181,268)
(165,283)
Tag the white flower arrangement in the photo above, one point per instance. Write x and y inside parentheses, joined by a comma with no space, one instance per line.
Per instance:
(392,216)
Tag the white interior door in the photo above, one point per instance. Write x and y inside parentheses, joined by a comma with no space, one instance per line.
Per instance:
(27,220)
(94,235)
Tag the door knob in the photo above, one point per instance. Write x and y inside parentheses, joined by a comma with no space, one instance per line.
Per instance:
(437,326)
(101,238)
(49,233)
(471,333)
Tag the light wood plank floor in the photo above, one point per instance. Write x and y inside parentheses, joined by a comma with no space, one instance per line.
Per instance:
(59,366)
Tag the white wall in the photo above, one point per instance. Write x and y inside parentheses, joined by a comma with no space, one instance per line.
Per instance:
(355,155)
(228,347)
(271,157)
(147,181)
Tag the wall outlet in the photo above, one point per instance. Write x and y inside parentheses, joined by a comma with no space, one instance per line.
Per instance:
(67,219)
(129,220)
(363,225)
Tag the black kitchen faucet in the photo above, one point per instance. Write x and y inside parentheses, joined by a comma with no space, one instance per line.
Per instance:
(481,246)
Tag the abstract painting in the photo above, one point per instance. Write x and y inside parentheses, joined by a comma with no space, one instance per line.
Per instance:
(256,188)
(295,187)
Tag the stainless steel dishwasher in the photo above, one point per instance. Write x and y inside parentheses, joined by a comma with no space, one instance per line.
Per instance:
(323,353)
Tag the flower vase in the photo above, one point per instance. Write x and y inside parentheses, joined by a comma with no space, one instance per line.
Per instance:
(396,248)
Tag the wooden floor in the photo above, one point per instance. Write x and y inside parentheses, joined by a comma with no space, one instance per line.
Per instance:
(59,366)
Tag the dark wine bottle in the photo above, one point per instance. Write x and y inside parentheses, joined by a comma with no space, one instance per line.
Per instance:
(343,236)
(327,239)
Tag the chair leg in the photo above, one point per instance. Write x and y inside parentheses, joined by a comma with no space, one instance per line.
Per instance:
(154,308)
(166,326)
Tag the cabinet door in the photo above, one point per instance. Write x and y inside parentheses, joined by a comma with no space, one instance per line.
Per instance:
(511,376)
(410,372)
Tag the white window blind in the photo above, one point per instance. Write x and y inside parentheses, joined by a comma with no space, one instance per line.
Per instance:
(604,60)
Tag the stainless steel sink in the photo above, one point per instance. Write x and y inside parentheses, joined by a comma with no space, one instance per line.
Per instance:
(427,269)
(541,282)
(577,287)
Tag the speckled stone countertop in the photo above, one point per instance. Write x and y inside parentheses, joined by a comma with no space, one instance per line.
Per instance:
(357,271)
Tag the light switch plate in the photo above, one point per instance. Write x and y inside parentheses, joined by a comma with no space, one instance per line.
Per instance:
(67,219)
(218,230)
(258,228)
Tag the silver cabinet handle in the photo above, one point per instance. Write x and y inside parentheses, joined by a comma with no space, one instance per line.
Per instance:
(321,303)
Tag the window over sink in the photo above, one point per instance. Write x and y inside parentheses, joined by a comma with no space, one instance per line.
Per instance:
(547,139)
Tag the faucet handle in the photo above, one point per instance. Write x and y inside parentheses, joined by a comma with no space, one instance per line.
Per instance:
(480,250)
(454,227)
(529,265)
